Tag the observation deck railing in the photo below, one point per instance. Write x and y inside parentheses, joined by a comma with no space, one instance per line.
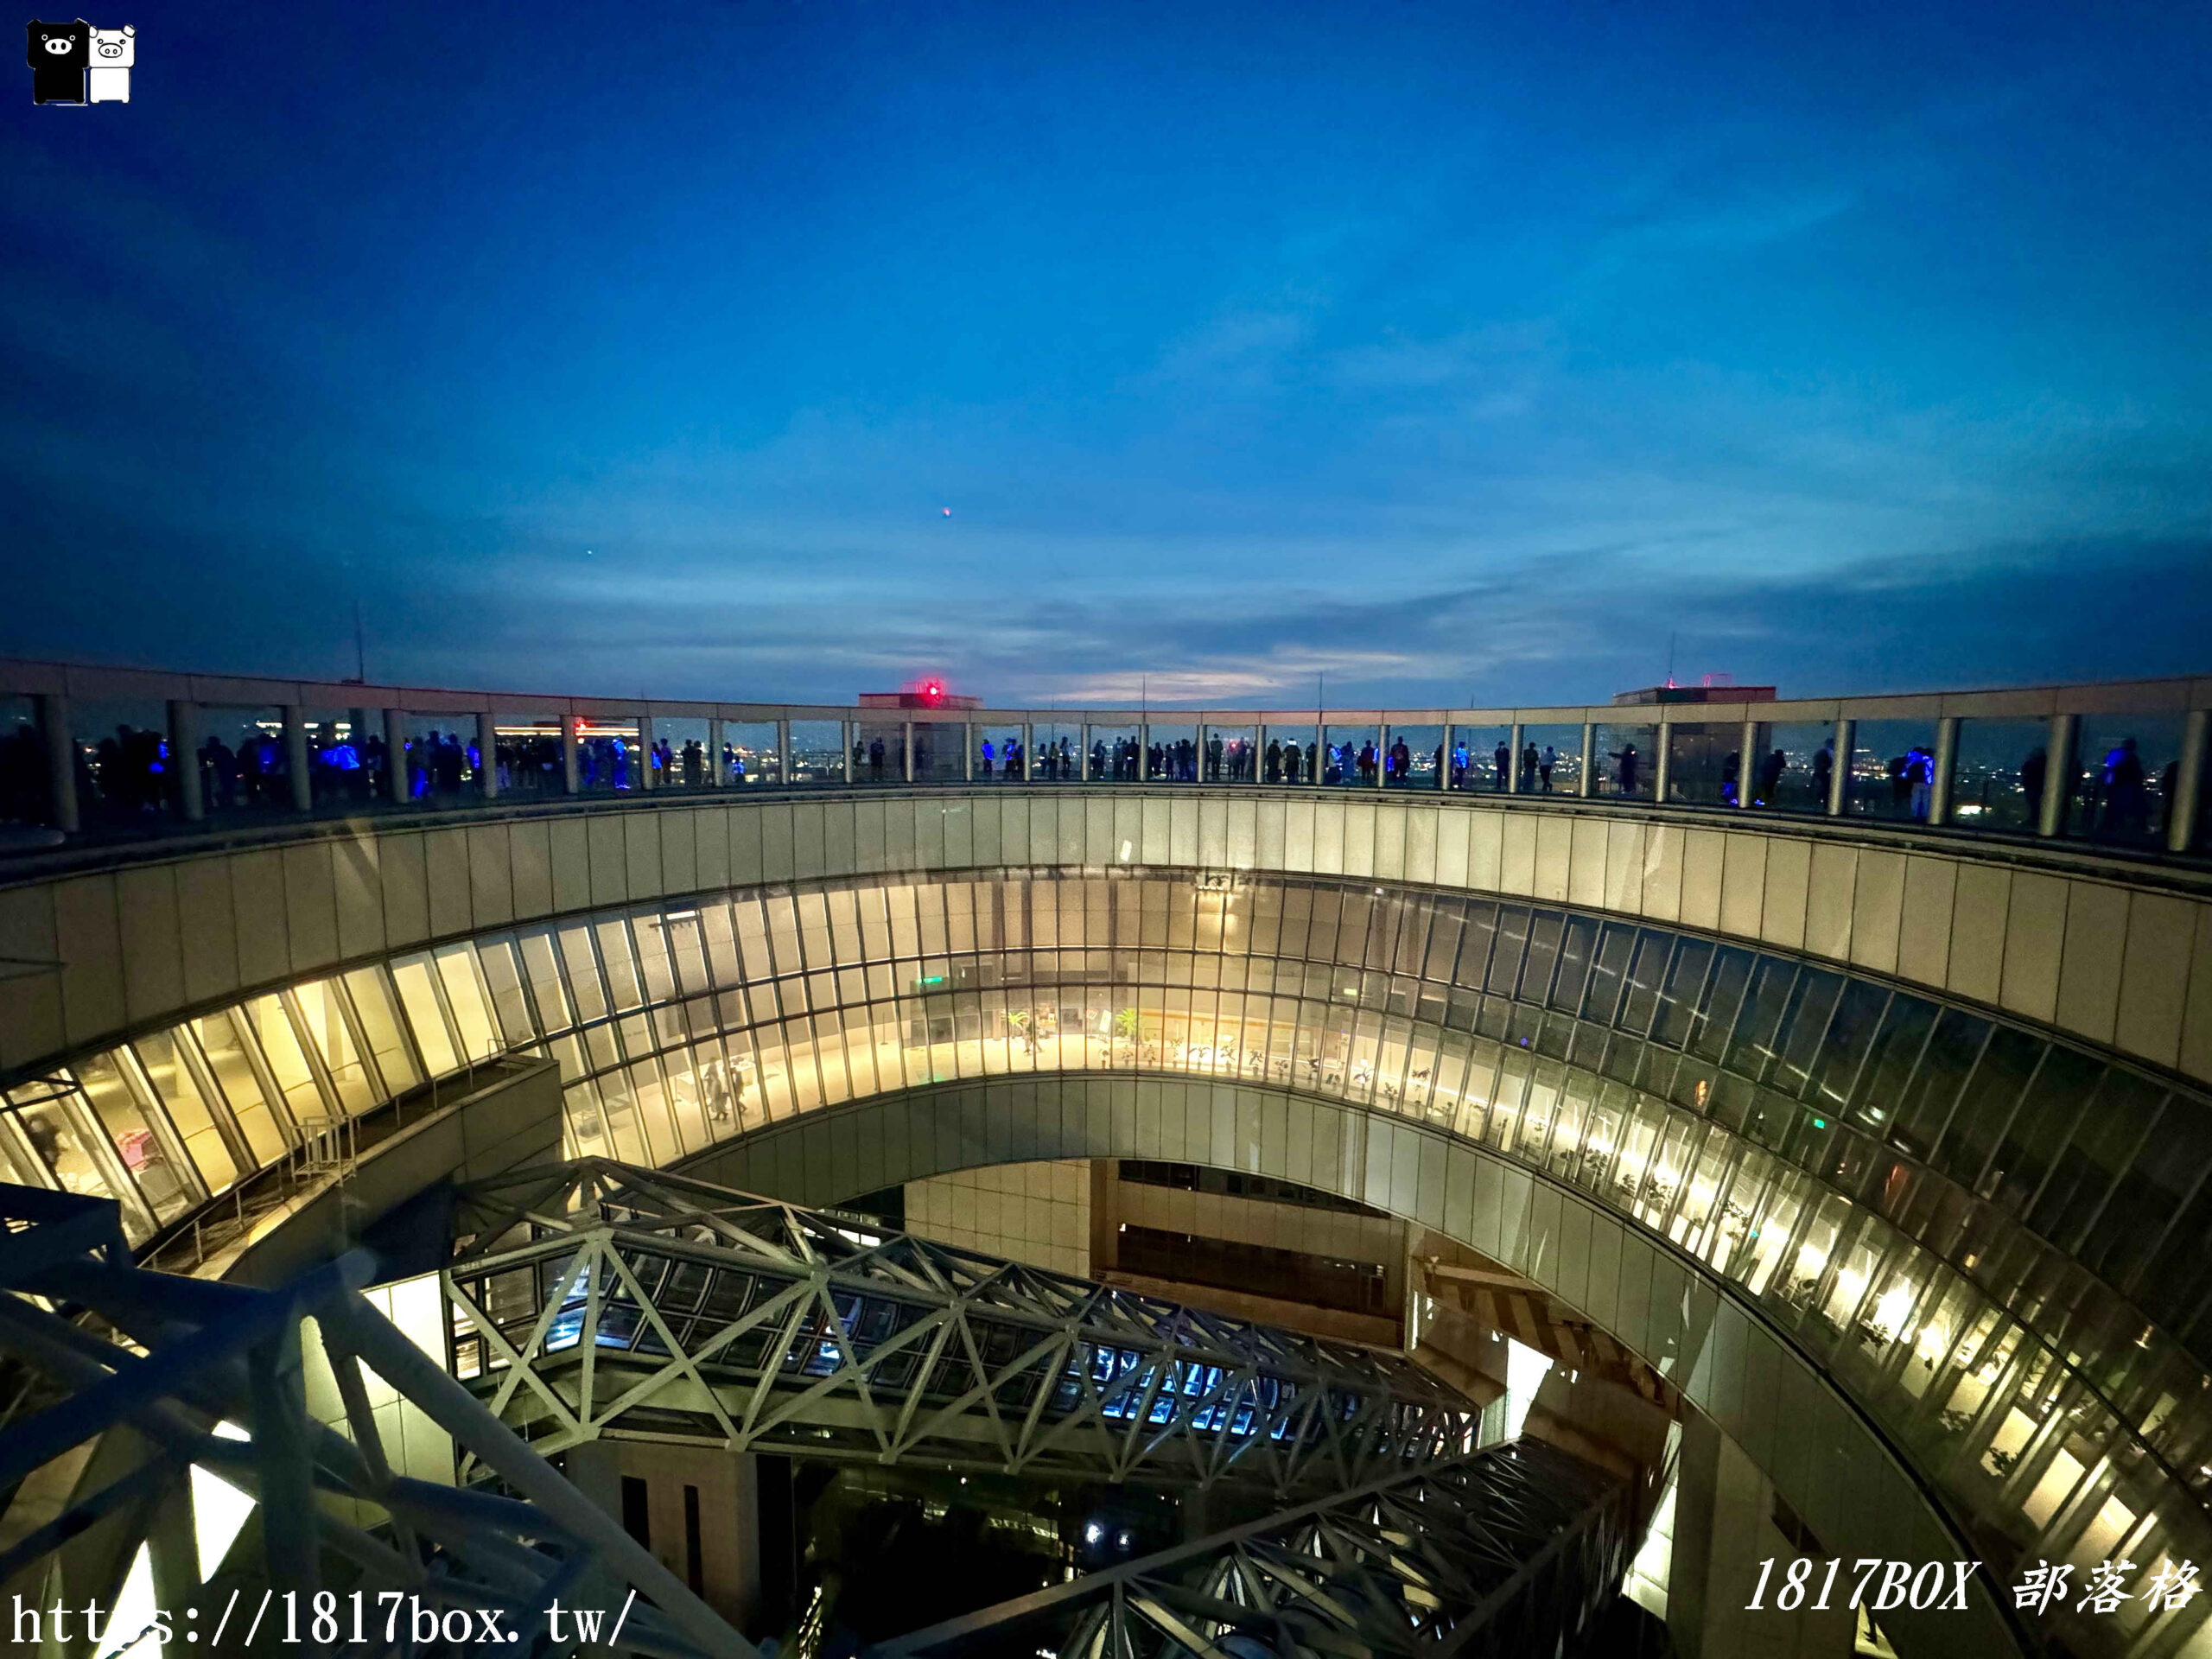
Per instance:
(99,755)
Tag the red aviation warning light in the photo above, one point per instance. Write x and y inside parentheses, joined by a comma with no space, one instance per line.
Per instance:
(927,692)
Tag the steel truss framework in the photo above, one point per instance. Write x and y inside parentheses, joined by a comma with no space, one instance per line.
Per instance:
(136,1372)
(595,1298)
(1517,1549)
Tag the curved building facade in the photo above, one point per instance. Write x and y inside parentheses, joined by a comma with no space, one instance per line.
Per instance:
(1893,1131)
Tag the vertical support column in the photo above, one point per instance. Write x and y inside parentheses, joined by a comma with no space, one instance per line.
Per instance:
(396,784)
(645,763)
(184,756)
(1586,782)
(1662,771)
(1747,762)
(1203,730)
(572,779)
(1144,747)
(849,733)
(1318,759)
(1517,780)
(1444,758)
(1082,767)
(1028,731)
(1382,752)
(2059,778)
(2189,782)
(1946,764)
(1847,739)
(968,750)
(61,745)
(295,757)
(717,774)
(488,755)
(784,768)
(906,750)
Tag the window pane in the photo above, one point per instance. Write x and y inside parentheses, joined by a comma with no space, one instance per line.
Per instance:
(502,970)
(583,973)
(68,1141)
(472,1009)
(324,1020)
(167,1075)
(411,977)
(223,1042)
(165,1184)
(288,1064)
(382,1030)
(541,967)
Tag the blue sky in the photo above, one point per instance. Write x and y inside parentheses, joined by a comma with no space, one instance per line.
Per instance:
(1458,353)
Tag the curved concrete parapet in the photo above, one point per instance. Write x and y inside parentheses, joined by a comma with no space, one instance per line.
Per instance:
(2114,951)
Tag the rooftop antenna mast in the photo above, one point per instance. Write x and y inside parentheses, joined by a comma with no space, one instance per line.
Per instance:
(1670,659)
(360,650)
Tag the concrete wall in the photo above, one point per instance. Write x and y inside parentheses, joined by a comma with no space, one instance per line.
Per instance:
(728,1488)
(1037,1213)
(2115,953)
(1830,1464)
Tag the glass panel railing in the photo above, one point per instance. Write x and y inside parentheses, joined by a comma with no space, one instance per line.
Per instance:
(1892,769)
(749,757)
(1349,758)
(1414,754)
(2129,766)
(1551,759)
(2119,785)
(998,755)
(1231,754)
(1481,758)
(818,754)
(1625,762)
